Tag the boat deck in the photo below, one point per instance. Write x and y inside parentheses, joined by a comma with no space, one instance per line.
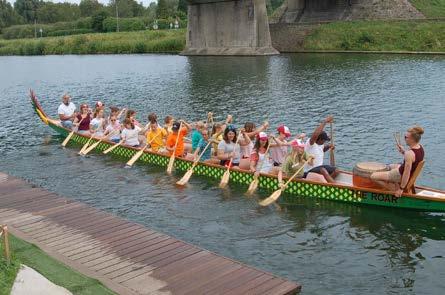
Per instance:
(346,179)
(125,256)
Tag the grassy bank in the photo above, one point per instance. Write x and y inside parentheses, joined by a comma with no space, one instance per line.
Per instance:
(430,8)
(168,41)
(56,272)
(379,36)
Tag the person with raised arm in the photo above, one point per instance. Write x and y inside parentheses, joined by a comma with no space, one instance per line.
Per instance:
(247,143)
(316,146)
(177,133)
(279,145)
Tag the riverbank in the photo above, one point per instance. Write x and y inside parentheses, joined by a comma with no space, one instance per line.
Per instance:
(56,272)
(350,36)
(165,41)
(413,35)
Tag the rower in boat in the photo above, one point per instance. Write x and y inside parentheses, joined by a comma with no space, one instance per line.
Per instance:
(177,133)
(113,128)
(217,134)
(229,147)
(279,145)
(100,106)
(206,156)
(293,162)
(197,134)
(247,143)
(316,146)
(168,123)
(114,111)
(398,177)
(156,135)
(260,161)
(130,133)
(131,114)
(66,112)
(98,123)
(83,120)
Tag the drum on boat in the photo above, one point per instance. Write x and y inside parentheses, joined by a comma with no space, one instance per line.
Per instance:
(361,174)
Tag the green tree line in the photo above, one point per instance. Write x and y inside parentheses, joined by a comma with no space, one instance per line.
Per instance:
(45,12)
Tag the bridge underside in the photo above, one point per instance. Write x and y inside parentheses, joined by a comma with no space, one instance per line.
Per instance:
(237,27)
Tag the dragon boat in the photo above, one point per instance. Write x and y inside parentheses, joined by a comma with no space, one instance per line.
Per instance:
(343,190)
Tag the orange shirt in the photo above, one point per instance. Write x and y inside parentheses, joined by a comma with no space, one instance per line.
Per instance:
(171,141)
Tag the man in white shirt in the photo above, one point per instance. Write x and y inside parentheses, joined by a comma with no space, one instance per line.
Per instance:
(316,147)
(66,112)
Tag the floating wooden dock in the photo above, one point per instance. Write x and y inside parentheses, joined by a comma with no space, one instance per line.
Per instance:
(126,257)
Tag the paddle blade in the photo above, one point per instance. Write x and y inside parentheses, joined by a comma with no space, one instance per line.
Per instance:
(111,148)
(185,178)
(170,164)
(65,142)
(272,198)
(225,179)
(135,158)
(253,186)
(92,147)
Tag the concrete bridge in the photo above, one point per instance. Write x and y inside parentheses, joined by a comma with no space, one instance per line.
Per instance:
(228,27)
(241,27)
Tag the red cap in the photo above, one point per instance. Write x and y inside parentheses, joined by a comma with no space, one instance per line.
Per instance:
(99,105)
(297,143)
(283,129)
(262,136)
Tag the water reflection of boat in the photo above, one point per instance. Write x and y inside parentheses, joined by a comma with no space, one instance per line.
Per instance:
(374,220)
(426,199)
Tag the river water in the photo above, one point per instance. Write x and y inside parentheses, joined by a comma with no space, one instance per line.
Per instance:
(330,248)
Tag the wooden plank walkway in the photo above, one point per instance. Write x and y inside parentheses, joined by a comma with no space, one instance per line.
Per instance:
(125,256)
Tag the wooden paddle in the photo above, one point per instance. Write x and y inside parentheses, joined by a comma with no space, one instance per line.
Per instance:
(254,184)
(172,157)
(332,157)
(139,153)
(226,176)
(276,194)
(113,147)
(188,174)
(85,146)
(94,145)
(65,142)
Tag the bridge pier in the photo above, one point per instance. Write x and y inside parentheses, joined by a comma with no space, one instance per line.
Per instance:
(228,27)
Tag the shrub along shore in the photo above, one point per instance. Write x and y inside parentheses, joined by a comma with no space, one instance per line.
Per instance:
(407,35)
(162,41)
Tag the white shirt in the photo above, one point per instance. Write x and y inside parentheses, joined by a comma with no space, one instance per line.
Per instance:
(114,130)
(315,150)
(67,110)
(131,136)
(97,125)
(230,147)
